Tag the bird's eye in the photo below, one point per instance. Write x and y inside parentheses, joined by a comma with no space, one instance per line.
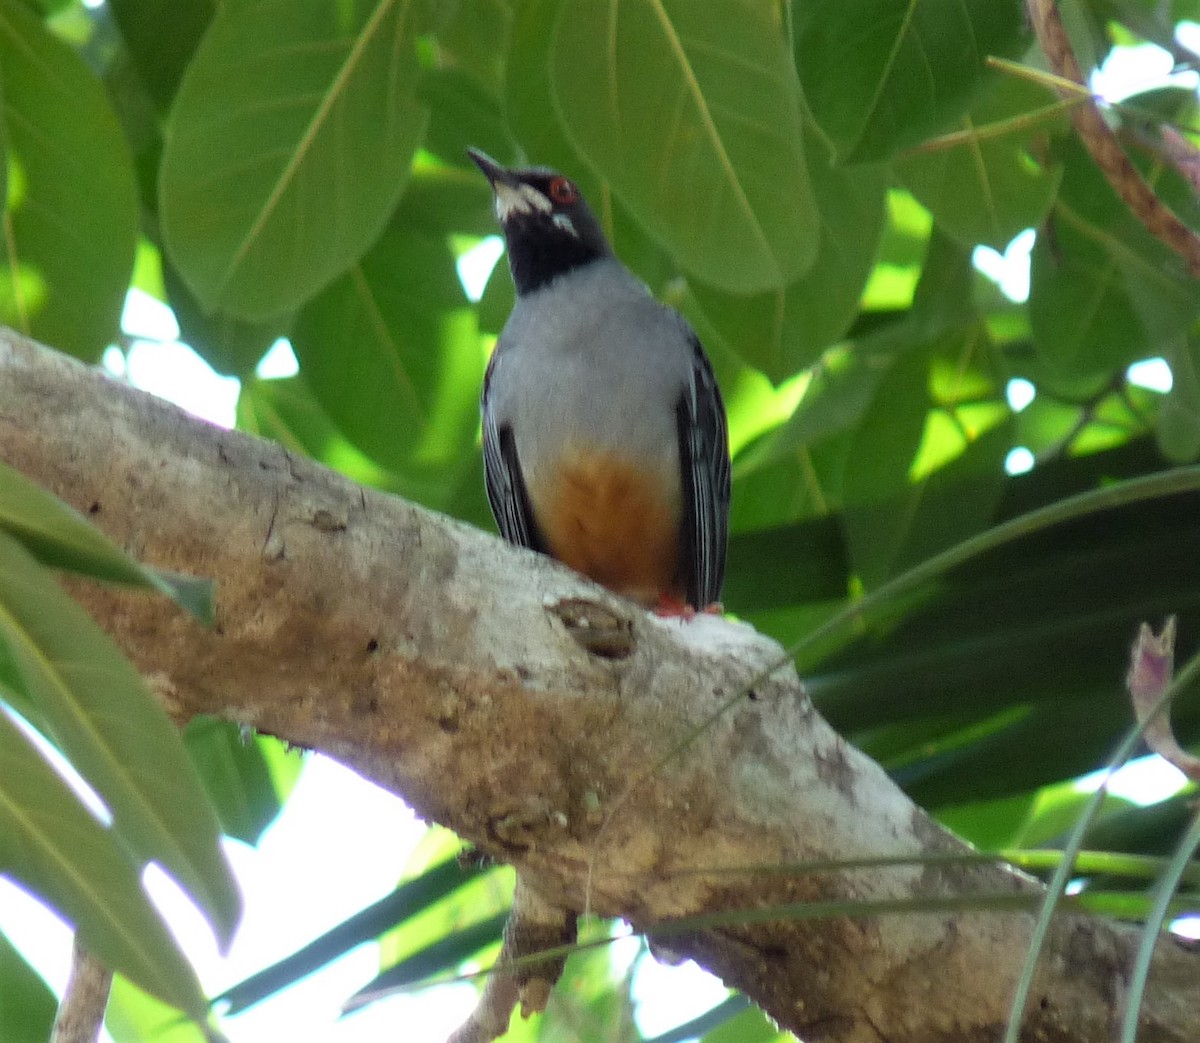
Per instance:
(562,192)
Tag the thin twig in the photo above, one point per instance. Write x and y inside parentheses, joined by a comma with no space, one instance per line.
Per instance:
(1103,146)
(81,1012)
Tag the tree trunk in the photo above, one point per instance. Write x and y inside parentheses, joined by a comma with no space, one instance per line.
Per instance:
(627,765)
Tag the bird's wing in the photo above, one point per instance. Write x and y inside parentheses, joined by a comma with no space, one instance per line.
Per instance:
(502,473)
(704,461)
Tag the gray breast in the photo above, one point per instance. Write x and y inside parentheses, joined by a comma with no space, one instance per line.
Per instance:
(592,360)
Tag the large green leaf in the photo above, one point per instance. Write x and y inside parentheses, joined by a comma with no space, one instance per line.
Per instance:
(71,202)
(992,176)
(286,411)
(534,121)
(26,1004)
(1179,415)
(288,146)
(94,705)
(392,353)
(462,114)
(59,852)
(880,501)
(161,38)
(882,74)
(1104,292)
(693,113)
(784,330)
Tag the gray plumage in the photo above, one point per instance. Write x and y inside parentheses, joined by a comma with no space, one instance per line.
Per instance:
(590,360)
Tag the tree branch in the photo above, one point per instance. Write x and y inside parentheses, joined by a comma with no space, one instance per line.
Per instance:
(454,670)
(1102,143)
(81,1013)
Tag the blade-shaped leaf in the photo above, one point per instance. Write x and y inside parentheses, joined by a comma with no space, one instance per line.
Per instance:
(708,1024)
(94,705)
(59,852)
(59,537)
(26,1004)
(410,898)
(71,201)
(289,144)
(882,74)
(440,956)
(693,113)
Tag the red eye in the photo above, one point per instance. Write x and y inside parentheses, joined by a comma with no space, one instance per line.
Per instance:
(563,192)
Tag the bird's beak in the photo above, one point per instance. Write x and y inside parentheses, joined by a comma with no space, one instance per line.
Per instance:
(492,170)
(512,195)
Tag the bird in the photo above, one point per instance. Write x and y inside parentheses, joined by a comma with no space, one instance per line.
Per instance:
(605,438)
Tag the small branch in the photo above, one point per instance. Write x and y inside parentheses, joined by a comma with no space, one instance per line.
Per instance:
(81,1012)
(1103,146)
(534,925)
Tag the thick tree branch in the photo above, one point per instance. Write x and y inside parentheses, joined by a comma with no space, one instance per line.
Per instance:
(450,668)
(1102,143)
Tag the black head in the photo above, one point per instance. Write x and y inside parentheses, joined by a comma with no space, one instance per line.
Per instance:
(547,226)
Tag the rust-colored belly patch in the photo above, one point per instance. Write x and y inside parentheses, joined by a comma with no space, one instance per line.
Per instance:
(613,522)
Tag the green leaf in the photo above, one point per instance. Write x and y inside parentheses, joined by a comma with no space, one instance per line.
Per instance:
(1103,291)
(286,411)
(882,74)
(135,1016)
(288,146)
(439,956)
(60,537)
(533,118)
(991,177)
(228,344)
(71,201)
(409,900)
(53,847)
(162,38)
(709,1024)
(27,1006)
(1179,414)
(840,389)
(783,331)
(462,114)
(877,476)
(750,1026)
(94,705)
(392,353)
(693,113)
(236,776)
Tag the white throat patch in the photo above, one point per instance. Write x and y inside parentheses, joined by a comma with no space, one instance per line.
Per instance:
(521,199)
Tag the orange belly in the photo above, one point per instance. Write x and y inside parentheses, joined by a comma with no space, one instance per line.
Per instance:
(613,522)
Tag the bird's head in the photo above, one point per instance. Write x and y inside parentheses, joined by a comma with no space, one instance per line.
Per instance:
(548,228)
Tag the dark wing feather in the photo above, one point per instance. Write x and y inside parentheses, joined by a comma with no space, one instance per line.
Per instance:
(704,460)
(502,474)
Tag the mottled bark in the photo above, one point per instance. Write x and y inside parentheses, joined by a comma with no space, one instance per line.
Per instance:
(468,677)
